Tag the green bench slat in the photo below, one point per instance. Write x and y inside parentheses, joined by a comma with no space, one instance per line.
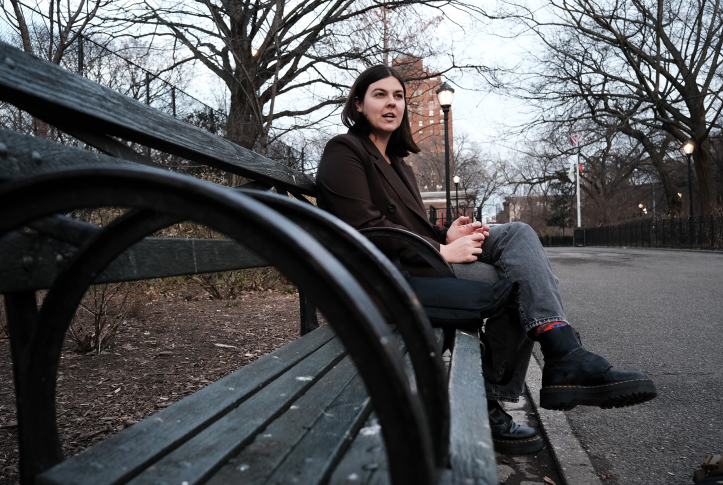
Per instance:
(258,460)
(32,261)
(471,451)
(43,88)
(312,459)
(124,455)
(27,156)
(194,460)
(366,460)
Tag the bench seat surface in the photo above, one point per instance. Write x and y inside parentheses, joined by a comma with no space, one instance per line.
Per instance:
(300,414)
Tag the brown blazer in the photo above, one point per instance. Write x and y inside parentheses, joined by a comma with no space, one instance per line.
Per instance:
(356,184)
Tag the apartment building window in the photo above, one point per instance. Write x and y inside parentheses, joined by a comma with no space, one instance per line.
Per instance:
(421,123)
(431,92)
(441,113)
(421,132)
(431,113)
(431,122)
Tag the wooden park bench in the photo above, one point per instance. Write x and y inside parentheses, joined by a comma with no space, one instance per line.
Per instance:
(365,399)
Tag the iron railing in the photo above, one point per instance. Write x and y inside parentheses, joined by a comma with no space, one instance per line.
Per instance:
(556,241)
(438,215)
(702,232)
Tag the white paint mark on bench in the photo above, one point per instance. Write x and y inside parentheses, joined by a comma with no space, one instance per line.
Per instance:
(353,476)
(294,407)
(242,468)
(304,378)
(370,430)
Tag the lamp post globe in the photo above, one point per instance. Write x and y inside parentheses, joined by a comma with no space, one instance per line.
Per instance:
(445,94)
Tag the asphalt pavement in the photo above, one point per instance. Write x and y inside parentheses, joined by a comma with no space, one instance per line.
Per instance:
(659,311)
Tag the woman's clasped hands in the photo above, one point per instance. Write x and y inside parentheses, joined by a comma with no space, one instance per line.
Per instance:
(464,241)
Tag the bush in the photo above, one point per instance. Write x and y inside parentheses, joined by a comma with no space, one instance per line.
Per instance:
(101,313)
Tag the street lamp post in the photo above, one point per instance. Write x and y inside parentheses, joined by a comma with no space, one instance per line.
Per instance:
(687,150)
(445,94)
(456,194)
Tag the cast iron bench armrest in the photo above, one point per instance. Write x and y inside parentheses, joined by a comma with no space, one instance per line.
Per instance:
(416,243)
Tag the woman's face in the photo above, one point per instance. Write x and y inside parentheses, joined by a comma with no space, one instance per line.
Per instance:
(383,105)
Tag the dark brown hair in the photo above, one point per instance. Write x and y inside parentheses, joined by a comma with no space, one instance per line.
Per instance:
(401,143)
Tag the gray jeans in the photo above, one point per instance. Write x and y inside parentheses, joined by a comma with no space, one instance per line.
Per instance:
(514,251)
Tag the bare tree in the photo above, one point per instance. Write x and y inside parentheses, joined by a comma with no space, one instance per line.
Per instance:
(644,67)
(479,172)
(305,52)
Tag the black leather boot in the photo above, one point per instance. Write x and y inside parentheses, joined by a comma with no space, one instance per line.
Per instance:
(509,437)
(573,376)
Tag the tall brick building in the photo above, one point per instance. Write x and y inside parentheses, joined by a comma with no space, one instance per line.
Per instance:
(426,120)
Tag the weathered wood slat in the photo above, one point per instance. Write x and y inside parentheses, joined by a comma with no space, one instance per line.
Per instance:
(194,460)
(254,464)
(124,455)
(24,156)
(32,262)
(39,87)
(472,456)
(312,459)
(366,460)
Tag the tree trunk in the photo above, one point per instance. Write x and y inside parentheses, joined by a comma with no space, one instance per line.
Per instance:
(675,206)
(705,173)
(242,128)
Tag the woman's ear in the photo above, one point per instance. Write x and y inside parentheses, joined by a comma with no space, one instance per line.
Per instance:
(358,105)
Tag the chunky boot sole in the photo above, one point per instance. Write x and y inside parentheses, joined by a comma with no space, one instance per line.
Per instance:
(606,396)
(518,447)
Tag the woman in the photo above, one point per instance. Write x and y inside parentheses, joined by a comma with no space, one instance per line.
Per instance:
(363,180)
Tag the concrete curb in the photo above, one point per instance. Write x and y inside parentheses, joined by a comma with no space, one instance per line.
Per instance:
(572,461)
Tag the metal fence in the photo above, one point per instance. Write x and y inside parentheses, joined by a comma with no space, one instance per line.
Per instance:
(556,241)
(438,215)
(703,232)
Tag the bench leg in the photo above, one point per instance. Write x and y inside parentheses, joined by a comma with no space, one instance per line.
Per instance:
(309,321)
(38,439)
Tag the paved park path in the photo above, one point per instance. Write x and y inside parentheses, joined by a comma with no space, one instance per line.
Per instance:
(661,312)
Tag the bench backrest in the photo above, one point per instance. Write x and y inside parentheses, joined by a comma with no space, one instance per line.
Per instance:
(94,113)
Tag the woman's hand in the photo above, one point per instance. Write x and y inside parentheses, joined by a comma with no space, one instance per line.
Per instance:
(463,250)
(460,228)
